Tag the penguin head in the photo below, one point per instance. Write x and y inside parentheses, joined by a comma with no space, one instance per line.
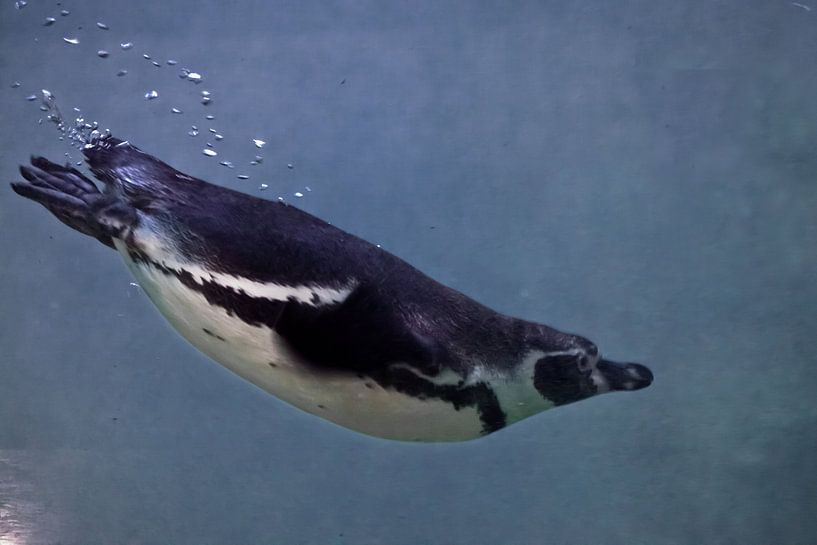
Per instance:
(577,374)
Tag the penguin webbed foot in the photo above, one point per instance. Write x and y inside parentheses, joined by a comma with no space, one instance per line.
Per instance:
(68,194)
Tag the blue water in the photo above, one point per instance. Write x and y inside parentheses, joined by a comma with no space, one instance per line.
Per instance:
(640,172)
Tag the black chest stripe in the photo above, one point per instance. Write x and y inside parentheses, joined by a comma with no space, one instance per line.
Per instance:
(354,337)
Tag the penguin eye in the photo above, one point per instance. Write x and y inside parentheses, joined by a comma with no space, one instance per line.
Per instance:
(583,363)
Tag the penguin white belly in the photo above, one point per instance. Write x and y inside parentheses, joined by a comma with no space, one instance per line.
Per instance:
(259,355)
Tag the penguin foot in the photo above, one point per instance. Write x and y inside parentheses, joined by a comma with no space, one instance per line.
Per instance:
(73,199)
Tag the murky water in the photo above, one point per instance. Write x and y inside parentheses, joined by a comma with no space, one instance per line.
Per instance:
(642,173)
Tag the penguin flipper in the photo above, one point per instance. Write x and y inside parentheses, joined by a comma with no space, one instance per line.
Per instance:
(363,334)
(74,199)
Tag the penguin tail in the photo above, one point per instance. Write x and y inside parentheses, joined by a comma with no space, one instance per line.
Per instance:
(75,200)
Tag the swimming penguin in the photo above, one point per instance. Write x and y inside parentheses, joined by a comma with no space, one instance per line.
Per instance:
(314,315)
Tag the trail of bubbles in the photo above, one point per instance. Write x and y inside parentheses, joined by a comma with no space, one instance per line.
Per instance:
(79,133)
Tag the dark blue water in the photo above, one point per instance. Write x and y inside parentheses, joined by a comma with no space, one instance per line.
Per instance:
(640,172)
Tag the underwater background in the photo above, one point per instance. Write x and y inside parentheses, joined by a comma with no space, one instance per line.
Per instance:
(643,173)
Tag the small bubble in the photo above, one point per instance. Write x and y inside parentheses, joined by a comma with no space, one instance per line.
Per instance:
(49,21)
(209,152)
(290,166)
(101,26)
(227,164)
(65,13)
(262,187)
(72,41)
(127,45)
(258,143)
(150,95)
(175,111)
(212,131)
(218,137)
(210,117)
(44,108)
(298,194)
(156,64)
(171,62)
(183,73)
(209,144)
(146,56)
(122,73)
(206,100)
(15,85)
(308,189)
(20,4)
(31,98)
(195,77)
(102,53)
(194,127)
(243,177)
(192,132)
(205,93)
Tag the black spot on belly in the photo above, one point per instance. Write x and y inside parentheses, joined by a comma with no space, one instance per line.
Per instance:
(316,299)
(219,337)
(271,364)
(321,406)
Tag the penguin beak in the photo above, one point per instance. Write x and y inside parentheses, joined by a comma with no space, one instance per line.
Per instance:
(624,376)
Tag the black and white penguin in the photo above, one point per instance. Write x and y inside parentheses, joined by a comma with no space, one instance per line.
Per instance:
(318,317)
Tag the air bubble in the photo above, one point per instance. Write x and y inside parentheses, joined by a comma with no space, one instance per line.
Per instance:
(171,62)
(210,117)
(175,111)
(209,152)
(290,166)
(227,164)
(262,187)
(150,95)
(20,4)
(65,13)
(72,41)
(243,177)
(146,56)
(218,137)
(125,46)
(102,26)
(49,21)
(31,98)
(258,143)
(298,194)
(15,85)
(102,53)
(122,73)
(195,77)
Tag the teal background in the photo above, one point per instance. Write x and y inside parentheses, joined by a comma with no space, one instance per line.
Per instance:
(639,172)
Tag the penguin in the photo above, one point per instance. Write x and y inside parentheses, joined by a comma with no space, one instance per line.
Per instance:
(318,317)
